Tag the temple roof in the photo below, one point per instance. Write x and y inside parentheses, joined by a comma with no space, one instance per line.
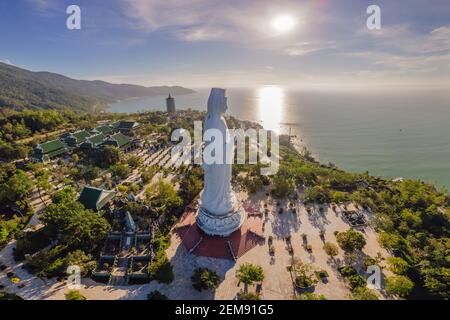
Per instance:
(96,139)
(119,140)
(95,198)
(129,222)
(127,125)
(81,135)
(104,129)
(51,146)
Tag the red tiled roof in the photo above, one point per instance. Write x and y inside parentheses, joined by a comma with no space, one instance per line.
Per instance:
(242,240)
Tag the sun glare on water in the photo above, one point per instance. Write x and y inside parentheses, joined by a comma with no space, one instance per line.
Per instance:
(270,107)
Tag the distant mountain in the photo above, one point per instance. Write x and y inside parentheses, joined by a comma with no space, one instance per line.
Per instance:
(20,88)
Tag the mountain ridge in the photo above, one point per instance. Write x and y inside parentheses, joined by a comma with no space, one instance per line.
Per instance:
(21,88)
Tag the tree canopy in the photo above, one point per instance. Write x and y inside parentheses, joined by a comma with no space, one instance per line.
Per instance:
(399,285)
(205,279)
(75,226)
(249,273)
(162,196)
(351,240)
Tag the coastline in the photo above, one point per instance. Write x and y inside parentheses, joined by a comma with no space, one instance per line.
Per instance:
(378,146)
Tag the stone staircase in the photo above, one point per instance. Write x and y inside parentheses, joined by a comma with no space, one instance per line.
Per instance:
(119,273)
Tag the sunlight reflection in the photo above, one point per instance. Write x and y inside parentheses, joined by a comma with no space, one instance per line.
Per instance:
(270,107)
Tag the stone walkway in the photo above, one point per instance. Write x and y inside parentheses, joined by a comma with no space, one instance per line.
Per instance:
(119,273)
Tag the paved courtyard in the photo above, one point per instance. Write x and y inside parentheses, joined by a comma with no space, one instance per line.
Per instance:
(277,283)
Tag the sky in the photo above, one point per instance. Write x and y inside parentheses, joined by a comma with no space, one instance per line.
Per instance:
(204,43)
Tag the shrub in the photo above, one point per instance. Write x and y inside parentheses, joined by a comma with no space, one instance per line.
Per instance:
(356,281)
(31,243)
(339,197)
(161,269)
(398,265)
(250,296)
(304,275)
(163,196)
(74,295)
(15,280)
(120,170)
(347,271)
(317,194)
(147,176)
(10,229)
(309,296)
(156,295)
(303,281)
(249,273)
(205,279)
(331,249)
(9,296)
(56,268)
(47,262)
(399,285)
(351,240)
(370,262)
(322,274)
(81,259)
(134,161)
(363,293)
(389,240)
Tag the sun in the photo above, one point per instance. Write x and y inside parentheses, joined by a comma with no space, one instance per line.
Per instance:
(284,23)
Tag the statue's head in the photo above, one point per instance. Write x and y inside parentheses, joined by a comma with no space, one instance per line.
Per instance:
(217,102)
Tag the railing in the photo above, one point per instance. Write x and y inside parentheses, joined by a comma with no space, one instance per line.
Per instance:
(196,245)
(230,247)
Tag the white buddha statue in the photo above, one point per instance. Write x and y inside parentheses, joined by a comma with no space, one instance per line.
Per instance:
(220,213)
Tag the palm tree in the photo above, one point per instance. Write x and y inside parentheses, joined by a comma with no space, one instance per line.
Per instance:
(249,273)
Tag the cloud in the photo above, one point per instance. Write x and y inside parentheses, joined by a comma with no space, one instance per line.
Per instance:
(402,38)
(205,20)
(7,61)
(439,39)
(203,33)
(304,48)
(45,7)
(399,50)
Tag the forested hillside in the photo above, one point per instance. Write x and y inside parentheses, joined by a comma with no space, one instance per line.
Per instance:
(21,89)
